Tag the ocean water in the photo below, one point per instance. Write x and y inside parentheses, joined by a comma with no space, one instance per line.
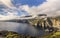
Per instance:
(21,28)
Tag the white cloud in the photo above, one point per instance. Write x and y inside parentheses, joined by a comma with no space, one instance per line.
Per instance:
(51,8)
(2,17)
(10,12)
(7,3)
(9,15)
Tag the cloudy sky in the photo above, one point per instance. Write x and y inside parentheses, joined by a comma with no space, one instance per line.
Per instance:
(13,8)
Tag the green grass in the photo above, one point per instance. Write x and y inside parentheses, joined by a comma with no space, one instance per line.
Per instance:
(53,35)
(10,34)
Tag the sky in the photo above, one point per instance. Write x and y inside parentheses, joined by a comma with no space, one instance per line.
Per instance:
(17,8)
(28,2)
(7,5)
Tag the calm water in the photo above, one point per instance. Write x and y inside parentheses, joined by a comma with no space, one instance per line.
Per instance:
(21,28)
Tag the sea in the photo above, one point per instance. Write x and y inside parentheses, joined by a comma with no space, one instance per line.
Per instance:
(22,28)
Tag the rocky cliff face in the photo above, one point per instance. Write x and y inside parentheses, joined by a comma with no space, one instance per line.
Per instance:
(46,23)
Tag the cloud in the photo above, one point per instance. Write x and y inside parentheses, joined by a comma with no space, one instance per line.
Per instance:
(9,11)
(7,7)
(9,14)
(7,3)
(50,7)
(3,17)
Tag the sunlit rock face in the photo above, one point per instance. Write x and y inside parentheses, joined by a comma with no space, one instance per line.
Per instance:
(21,28)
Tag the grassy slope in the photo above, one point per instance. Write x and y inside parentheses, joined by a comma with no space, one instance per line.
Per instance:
(10,34)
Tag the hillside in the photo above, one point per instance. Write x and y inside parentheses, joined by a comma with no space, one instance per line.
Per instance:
(10,34)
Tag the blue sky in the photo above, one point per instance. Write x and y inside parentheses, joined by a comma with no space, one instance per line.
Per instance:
(17,3)
(28,2)
(34,7)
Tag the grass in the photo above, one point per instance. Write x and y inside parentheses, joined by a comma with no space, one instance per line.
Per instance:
(53,35)
(10,34)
